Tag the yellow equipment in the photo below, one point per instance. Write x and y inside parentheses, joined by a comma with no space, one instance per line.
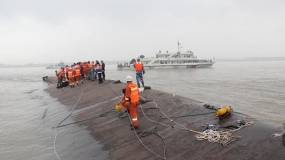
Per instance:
(118,107)
(223,111)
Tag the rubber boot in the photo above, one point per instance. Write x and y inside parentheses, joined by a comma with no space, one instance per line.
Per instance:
(134,127)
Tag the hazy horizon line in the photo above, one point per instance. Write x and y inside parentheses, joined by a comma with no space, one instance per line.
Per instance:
(114,61)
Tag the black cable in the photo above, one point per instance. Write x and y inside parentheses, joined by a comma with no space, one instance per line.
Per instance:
(100,115)
(111,89)
(147,133)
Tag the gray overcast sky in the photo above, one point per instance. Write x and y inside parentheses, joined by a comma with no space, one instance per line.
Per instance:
(41,31)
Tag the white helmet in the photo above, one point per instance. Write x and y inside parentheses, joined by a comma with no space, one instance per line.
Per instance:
(129,78)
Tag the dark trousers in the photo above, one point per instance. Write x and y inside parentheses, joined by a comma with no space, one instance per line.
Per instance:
(100,77)
(103,74)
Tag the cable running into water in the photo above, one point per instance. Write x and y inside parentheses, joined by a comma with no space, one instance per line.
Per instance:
(54,142)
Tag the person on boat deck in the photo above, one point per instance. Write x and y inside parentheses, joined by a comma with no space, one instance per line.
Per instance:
(99,72)
(66,70)
(84,65)
(58,78)
(62,73)
(89,67)
(70,73)
(93,72)
(81,69)
(103,69)
(78,75)
(139,72)
(130,101)
(63,84)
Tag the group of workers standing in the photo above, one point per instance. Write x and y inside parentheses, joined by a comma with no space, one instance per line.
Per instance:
(78,71)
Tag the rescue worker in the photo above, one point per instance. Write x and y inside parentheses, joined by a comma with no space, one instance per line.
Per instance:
(103,69)
(93,72)
(99,72)
(71,79)
(139,72)
(73,67)
(130,101)
(80,64)
(78,75)
(58,78)
(89,67)
(62,73)
(84,66)
(63,84)
(66,70)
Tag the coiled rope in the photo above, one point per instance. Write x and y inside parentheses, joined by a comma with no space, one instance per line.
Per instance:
(224,138)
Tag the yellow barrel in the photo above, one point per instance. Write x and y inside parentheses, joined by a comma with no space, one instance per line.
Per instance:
(118,107)
(223,111)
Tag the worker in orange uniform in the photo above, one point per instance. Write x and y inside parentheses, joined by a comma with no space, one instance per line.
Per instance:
(130,101)
(139,72)
(89,67)
(62,73)
(71,79)
(66,71)
(84,65)
(78,75)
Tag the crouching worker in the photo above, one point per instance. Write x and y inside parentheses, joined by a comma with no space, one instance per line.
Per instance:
(130,101)
(58,78)
(63,84)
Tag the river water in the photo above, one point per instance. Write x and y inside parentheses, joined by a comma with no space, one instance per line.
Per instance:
(28,113)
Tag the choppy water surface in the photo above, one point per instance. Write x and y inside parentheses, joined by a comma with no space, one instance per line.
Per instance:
(27,113)
(256,88)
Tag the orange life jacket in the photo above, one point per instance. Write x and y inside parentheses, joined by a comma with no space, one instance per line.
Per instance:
(89,65)
(77,72)
(70,73)
(134,93)
(138,66)
(62,73)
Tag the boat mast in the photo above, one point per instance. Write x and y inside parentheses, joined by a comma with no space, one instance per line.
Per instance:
(179,47)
